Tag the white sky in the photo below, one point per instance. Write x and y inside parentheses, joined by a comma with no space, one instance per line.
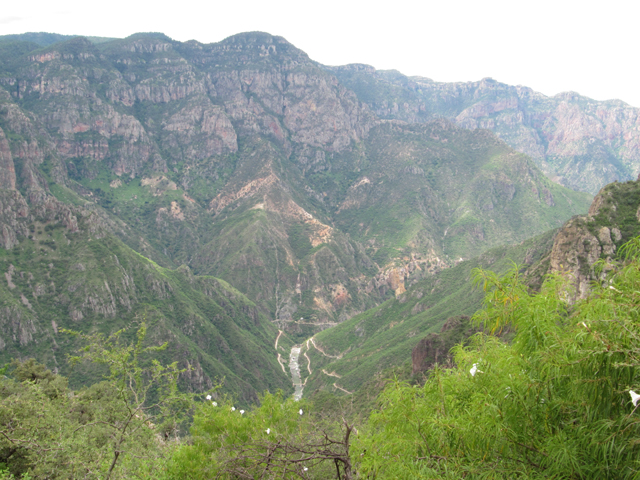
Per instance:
(551,46)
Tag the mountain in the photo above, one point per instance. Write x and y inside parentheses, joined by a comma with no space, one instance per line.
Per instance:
(68,271)
(237,195)
(248,161)
(420,326)
(44,39)
(578,142)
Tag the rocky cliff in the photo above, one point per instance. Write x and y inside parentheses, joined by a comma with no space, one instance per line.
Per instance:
(613,219)
(578,142)
(249,161)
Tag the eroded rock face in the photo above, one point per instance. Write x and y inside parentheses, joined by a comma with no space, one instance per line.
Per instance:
(272,88)
(574,252)
(116,107)
(16,326)
(576,141)
(7,168)
(581,242)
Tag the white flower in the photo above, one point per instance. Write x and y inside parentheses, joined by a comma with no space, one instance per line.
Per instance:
(208,397)
(268,430)
(233,409)
(215,404)
(634,398)
(473,370)
(305,469)
(300,412)
(241,412)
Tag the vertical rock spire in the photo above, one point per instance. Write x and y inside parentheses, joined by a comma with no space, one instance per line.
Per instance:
(7,168)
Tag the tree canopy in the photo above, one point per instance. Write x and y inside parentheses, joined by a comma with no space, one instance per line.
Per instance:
(554,402)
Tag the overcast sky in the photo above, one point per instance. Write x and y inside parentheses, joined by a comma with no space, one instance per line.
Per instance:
(551,46)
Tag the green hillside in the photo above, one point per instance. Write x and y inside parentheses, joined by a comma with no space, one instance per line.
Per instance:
(91,282)
(352,353)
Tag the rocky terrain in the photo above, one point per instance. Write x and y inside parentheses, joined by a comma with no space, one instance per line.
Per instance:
(578,142)
(613,219)
(230,192)
(248,161)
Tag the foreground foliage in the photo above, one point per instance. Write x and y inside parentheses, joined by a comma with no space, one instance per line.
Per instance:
(121,427)
(554,403)
(278,439)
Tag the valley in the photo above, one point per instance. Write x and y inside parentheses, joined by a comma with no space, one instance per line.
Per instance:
(228,260)
(240,195)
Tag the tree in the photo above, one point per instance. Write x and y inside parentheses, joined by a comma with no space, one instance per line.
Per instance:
(278,439)
(120,427)
(552,403)
(146,399)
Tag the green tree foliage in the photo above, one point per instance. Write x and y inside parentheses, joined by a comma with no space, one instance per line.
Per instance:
(117,428)
(553,403)
(145,398)
(278,439)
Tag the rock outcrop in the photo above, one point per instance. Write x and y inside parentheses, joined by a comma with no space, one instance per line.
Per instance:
(7,168)
(578,142)
(583,241)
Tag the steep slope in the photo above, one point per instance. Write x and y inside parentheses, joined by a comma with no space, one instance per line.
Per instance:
(578,142)
(448,193)
(345,357)
(248,161)
(64,268)
(83,278)
(613,219)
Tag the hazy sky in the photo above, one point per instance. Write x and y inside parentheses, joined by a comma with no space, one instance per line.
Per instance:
(551,46)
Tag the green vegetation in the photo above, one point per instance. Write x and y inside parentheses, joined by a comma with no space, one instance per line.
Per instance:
(619,209)
(556,401)
(383,337)
(121,427)
(101,285)
(299,240)
(145,165)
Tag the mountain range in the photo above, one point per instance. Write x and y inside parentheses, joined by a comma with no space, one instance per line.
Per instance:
(243,197)
(576,141)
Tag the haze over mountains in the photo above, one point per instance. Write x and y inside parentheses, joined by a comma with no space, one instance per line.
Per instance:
(578,142)
(228,191)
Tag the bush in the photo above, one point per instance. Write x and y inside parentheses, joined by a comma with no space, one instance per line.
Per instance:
(554,403)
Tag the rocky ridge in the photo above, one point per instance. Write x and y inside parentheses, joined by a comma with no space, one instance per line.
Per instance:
(248,161)
(613,219)
(578,142)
